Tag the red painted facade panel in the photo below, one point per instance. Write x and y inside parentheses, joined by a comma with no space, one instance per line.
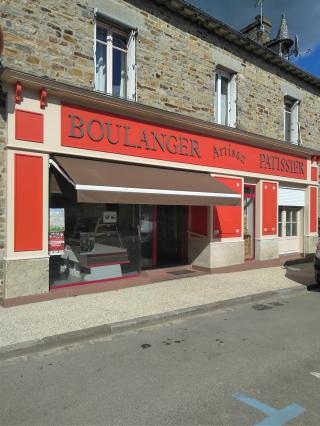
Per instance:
(313,209)
(199,220)
(314,174)
(99,131)
(29,126)
(227,220)
(28,202)
(269,208)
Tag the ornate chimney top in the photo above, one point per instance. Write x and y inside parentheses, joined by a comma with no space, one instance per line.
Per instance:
(282,44)
(283,32)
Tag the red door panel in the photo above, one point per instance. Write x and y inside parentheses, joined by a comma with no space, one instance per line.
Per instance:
(227,220)
(269,208)
(28,202)
(313,209)
(29,126)
(199,220)
(314,174)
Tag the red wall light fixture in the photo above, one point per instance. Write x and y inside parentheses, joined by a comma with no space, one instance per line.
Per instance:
(43,98)
(315,159)
(18,92)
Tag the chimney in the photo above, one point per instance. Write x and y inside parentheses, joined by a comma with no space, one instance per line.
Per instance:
(259,30)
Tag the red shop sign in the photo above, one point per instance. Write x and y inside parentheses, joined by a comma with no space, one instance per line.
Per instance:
(97,131)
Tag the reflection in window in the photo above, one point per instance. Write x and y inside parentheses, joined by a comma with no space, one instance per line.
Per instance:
(288,222)
(291,222)
(280,221)
(291,120)
(98,241)
(225,97)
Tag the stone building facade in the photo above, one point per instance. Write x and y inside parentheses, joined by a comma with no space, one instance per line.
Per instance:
(177,53)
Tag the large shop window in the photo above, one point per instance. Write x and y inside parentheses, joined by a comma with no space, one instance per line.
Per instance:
(110,220)
(101,242)
(115,61)
(291,120)
(225,98)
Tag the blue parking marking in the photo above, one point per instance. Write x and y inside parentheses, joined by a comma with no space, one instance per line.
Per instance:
(275,417)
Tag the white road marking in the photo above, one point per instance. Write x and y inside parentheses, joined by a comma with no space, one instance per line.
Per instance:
(315,374)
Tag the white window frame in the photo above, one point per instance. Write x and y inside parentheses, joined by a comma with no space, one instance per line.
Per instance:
(232,97)
(285,214)
(130,35)
(294,131)
(280,222)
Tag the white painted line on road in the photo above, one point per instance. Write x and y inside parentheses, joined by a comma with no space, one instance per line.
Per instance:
(315,374)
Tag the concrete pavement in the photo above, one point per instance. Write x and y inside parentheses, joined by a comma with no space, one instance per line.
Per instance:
(27,324)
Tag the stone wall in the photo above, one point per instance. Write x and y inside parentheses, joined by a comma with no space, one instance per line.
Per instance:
(175,69)
(310,120)
(176,60)
(25,277)
(49,38)
(259,102)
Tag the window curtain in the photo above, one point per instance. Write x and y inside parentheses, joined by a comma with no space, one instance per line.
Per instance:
(295,123)
(101,64)
(131,66)
(123,75)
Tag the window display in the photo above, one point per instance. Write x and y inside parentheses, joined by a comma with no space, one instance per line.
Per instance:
(110,241)
(100,240)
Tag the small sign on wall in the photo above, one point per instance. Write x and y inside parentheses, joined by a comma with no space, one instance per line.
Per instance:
(56,232)
(110,217)
(56,243)
(56,222)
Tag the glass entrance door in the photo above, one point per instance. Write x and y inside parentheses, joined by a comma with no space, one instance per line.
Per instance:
(162,236)
(147,236)
(248,221)
(171,235)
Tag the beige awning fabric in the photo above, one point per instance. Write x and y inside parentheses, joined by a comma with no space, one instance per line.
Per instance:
(99,181)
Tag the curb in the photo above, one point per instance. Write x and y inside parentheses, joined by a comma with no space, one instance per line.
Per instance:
(51,342)
(73,337)
(148,321)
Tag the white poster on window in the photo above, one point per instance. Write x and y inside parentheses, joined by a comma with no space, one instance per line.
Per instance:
(56,222)
(56,243)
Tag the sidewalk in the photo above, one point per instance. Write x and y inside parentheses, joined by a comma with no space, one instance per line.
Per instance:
(26,323)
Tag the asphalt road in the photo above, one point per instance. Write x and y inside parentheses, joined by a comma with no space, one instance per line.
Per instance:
(218,368)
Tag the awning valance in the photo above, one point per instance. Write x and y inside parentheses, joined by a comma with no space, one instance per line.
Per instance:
(99,181)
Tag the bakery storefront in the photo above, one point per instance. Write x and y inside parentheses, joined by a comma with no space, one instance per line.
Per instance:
(100,189)
(118,219)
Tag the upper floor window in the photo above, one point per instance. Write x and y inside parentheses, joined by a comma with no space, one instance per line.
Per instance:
(225,98)
(115,61)
(291,120)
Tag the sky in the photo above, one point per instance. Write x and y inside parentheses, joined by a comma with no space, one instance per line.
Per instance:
(303,18)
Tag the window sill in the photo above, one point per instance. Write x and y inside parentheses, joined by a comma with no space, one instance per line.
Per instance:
(101,92)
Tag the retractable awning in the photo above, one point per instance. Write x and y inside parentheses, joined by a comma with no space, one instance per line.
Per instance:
(99,181)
